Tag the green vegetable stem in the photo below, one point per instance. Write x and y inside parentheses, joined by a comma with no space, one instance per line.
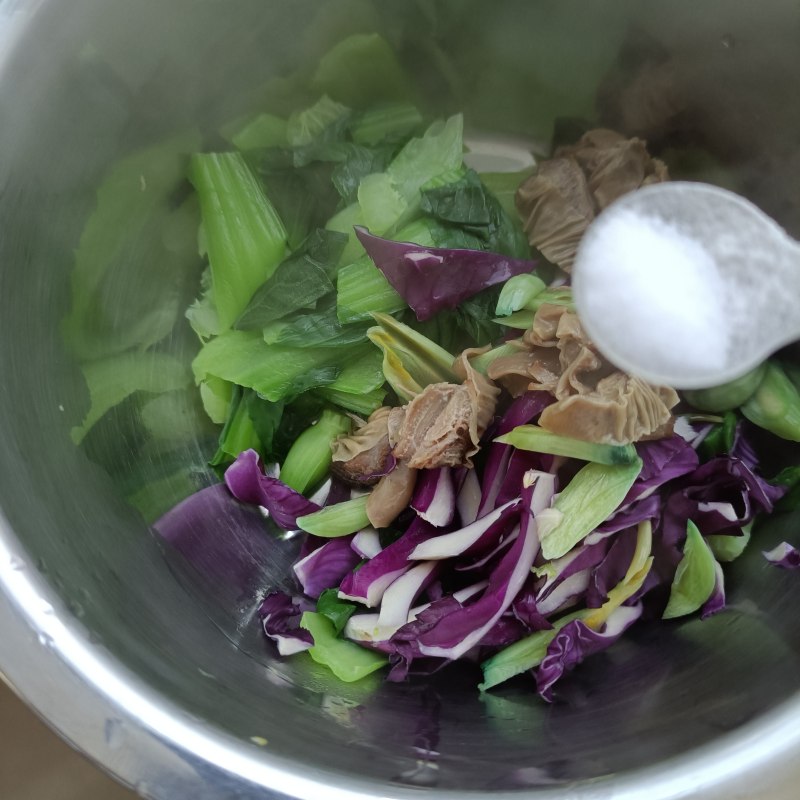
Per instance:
(309,458)
(775,405)
(728,396)
(340,519)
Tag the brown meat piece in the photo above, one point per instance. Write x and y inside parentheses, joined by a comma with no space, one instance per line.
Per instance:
(391,495)
(559,202)
(556,208)
(358,456)
(595,401)
(442,426)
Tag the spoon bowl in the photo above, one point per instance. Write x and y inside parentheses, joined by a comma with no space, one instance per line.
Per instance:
(748,298)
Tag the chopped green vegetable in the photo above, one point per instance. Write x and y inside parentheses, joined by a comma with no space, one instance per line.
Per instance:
(728,396)
(297,283)
(390,121)
(519,320)
(790,478)
(538,440)
(521,656)
(363,404)
(587,500)
(720,439)
(410,360)
(482,362)
(517,293)
(347,661)
(359,163)
(216,394)
(309,459)
(729,548)
(465,202)
(775,405)
(336,610)
(695,577)
(134,228)
(238,433)
(315,329)
(261,132)
(246,239)
(276,372)
(111,380)
(340,519)
(504,185)
(361,70)
(326,116)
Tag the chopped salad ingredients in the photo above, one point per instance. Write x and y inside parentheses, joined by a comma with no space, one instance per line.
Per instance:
(396,376)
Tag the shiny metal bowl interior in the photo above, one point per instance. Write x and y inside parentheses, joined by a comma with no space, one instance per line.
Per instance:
(156,670)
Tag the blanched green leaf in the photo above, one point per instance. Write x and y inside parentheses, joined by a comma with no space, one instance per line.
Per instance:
(134,228)
(340,519)
(467,203)
(323,119)
(246,239)
(363,404)
(411,361)
(775,405)
(261,132)
(238,434)
(336,610)
(347,661)
(274,371)
(695,577)
(216,394)
(304,199)
(517,293)
(504,185)
(521,656)
(361,70)
(309,459)
(297,283)
(720,439)
(390,121)
(729,548)
(111,380)
(267,418)
(359,162)
(728,396)
(315,329)
(587,500)
(539,440)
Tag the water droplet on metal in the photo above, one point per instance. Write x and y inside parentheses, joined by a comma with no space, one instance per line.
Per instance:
(206,674)
(17,564)
(45,640)
(115,733)
(728,42)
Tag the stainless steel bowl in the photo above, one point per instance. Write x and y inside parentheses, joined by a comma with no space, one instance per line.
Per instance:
(157,671)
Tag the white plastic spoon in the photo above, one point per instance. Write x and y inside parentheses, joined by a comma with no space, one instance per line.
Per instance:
(687,285)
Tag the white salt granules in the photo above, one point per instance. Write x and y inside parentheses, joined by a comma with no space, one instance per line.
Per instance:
(654,295)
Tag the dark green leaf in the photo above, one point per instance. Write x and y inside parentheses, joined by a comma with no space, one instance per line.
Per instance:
(336,610)
(238,433)
(359,162)
(297,283)
(266,418)
(316,329)
(720,440)
(467,204)
(789,477)
(304,198)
